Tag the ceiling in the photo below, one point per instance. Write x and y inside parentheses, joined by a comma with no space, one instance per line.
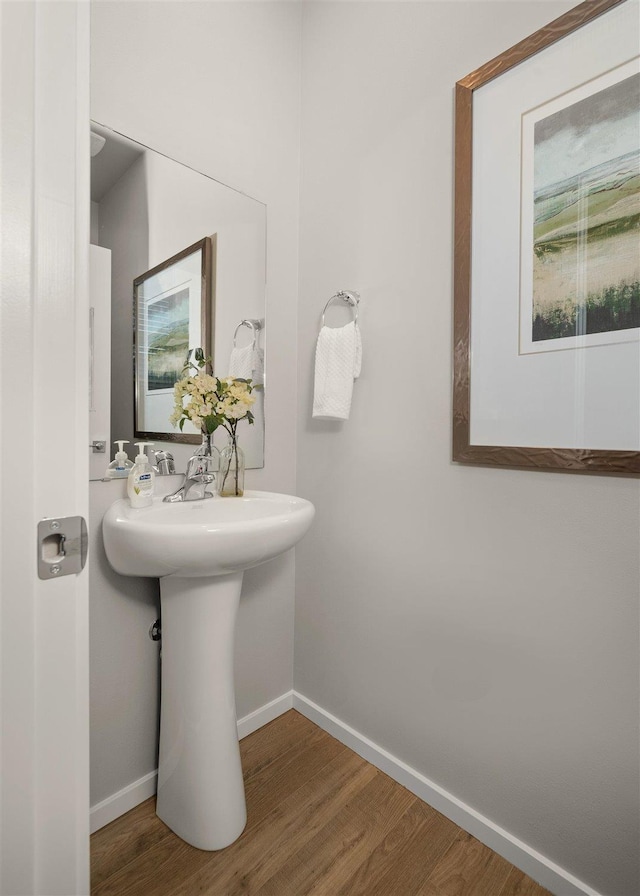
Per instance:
(108,166)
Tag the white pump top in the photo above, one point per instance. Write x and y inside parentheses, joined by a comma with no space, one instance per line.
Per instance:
(121,454)
(142,457)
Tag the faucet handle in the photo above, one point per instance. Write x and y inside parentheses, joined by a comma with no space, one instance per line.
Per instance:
(201,465)
(161,461)
(165,463)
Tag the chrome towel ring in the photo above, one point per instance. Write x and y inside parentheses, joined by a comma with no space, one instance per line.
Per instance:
(254,325)
(350,297)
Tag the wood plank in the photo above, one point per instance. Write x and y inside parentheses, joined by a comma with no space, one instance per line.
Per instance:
(121,841)
(277,781)
(402,862)
(468,867)
(321,821)
(519,884)
(254,859)
(148,871)
(124,840)
(162,868)
(270,743)
(428,890)
(327,859)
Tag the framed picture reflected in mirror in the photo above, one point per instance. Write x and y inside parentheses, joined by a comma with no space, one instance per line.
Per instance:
(173,313)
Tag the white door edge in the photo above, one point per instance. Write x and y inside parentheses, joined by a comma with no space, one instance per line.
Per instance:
(44,796)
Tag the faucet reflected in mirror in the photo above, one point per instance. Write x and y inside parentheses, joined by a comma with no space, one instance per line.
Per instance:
(145,209)
(162,462)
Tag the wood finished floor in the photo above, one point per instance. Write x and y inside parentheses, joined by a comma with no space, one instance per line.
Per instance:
(321,820)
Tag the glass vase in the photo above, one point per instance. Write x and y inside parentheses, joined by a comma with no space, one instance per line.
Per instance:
(207,448)
(204,464)
(231,474)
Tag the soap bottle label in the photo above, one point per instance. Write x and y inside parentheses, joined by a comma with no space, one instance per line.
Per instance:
(140,488)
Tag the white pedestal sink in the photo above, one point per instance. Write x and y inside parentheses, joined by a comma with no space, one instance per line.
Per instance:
(199,551)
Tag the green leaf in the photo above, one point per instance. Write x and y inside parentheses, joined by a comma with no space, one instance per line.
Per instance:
(212,423)
(181,423)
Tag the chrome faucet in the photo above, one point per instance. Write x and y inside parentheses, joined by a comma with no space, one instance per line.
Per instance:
(162,462)
(201,472)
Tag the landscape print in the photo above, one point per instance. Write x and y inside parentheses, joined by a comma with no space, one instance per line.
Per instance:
(167,339)
(585,258)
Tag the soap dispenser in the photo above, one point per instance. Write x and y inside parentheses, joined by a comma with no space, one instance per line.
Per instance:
(140,483)
(121,466)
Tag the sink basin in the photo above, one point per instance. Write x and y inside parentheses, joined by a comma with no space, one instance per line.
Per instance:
(203,538)
(199,551)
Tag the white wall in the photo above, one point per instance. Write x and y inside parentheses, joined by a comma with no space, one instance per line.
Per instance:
(123,661)
(215,86)
(479,624)
(95,222)
(127,200)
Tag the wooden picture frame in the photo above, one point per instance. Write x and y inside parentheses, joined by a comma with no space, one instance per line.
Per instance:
(173,313)
(526,443)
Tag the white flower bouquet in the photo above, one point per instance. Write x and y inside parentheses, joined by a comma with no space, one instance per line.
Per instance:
(209,402)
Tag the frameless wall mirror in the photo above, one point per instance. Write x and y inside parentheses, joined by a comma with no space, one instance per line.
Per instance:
(187,262)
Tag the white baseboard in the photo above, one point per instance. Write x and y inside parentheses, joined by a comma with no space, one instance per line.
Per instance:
(131,796)
(118,803)
(265,714)
(537,866)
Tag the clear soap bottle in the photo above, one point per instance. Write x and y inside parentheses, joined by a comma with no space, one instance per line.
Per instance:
(121,466)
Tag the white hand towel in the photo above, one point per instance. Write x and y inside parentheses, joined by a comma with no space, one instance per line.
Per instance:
(257,374)
(241,362)
(338,363)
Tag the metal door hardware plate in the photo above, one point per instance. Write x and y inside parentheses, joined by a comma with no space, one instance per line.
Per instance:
(62,546)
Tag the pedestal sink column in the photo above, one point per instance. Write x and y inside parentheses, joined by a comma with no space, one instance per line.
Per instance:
(200,787)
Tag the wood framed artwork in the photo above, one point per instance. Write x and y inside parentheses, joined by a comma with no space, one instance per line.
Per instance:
(173,313)
(547,248)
